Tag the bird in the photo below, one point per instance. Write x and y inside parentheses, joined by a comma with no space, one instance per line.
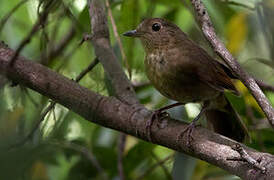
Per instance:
(183,71)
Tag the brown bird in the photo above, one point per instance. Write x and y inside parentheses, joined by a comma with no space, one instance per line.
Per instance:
(183,71)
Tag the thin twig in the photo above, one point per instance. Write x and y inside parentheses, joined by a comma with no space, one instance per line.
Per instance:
(85,71)
(56,50)
(9,14)
(209,32)
(114,27)
(245,157)
(35,127)
(121,148)
(71,15)
(49,43)
(153,167)
(85,152)
(40,21)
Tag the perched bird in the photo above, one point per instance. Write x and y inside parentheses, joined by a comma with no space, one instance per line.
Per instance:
(183,71)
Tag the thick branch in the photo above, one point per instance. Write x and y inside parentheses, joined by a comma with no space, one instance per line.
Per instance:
(112,113)
(100,38)
(220,49)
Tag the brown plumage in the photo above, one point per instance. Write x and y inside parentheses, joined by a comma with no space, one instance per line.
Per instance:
(181,70)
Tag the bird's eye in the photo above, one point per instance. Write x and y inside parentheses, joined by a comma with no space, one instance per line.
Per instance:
(156,27)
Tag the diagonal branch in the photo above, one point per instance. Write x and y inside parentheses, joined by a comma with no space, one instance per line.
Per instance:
(35,28)
(111,112)
(119,42)
(265,86)
(210,34)
(123,89)
(57,50)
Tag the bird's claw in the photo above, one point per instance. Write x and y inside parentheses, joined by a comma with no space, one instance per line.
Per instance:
(188,132)
(159,115)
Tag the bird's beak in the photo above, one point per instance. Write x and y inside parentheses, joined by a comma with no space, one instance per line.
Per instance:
(132,33)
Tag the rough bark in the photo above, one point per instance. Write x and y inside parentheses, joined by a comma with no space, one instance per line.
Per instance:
(111,112)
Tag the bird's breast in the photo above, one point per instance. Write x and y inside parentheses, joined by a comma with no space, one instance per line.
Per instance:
(159,72)
(163,72)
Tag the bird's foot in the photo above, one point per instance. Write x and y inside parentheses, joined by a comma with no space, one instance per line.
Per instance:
(188,132)
(158,115)
(189,129)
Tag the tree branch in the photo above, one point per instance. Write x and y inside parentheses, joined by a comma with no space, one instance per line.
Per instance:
(209,32)
(119,42)
(40,22)
(247,158)
(265,86)
(56,50)
(130,119)
(52,105)
(123,89)
(121,86)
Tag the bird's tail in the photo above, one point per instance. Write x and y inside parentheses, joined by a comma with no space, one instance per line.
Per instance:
(226,121)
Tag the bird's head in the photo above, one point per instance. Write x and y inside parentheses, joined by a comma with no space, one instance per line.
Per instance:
(155,33)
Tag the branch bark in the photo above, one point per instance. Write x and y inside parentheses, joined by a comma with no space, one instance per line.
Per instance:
(210,34)
(121,85)
(265,86)
(100,38)
(111,112)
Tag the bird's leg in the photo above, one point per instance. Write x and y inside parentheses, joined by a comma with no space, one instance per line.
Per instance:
(158,114)
(189,129)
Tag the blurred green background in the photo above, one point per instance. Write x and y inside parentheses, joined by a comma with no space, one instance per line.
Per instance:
(67,147)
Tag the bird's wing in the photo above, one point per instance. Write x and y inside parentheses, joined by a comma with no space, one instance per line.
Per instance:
(207,70)
(218,78)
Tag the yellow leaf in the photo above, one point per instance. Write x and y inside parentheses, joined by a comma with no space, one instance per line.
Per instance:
(241,87)
(248,98)
(236,32)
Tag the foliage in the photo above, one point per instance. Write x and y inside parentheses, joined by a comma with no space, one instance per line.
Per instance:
(61,147)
